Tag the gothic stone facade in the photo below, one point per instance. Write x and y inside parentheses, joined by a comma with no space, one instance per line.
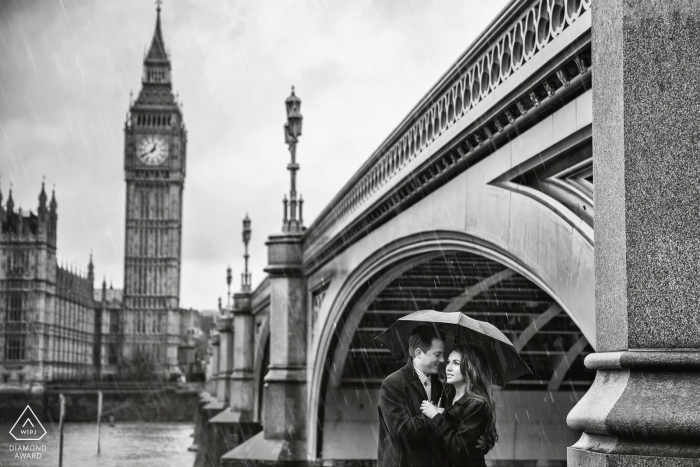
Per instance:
(47,312)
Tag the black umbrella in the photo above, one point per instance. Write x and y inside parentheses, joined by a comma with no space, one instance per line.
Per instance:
(506,364)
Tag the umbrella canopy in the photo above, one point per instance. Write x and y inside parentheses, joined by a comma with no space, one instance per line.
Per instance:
(506,364)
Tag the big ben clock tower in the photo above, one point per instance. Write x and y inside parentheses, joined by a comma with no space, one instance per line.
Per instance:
(155,142)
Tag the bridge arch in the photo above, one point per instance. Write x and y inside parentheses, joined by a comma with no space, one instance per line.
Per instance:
(375,274)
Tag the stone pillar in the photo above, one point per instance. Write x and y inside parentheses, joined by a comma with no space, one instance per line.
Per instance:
(213,363)
(242,380)
(285,383)
(221,429)
(241,408)
(283,440)
(225,327)
(207,452)
(644,406)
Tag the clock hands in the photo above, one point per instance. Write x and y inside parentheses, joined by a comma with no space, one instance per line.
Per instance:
(149,152)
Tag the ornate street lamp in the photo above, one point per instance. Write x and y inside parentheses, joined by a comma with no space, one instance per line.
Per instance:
(294,118)
(292,131)
(228,283)
(245,277)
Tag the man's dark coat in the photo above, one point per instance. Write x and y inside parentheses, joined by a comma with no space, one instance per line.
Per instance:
(404,438)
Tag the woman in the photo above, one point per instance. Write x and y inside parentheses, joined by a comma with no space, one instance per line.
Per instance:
(471,412)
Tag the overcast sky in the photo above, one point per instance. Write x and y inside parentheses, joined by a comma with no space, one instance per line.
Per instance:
(66,69)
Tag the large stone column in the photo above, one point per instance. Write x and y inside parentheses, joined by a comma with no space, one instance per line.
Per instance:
(213,363)
(207,454)
(218,399)
(242,380)
(644,406)
(240,414)
(220,429)
(225,327)
(283,440)
(285,383)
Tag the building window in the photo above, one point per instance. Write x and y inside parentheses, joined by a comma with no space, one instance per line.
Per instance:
(18,262)
(113,322)
(14,306)
(112,354)
(14,347)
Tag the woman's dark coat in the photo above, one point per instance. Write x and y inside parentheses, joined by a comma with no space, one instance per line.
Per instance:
(404,439)
(458,429)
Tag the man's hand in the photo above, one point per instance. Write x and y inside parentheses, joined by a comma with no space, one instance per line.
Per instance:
(428,409)
(481,442)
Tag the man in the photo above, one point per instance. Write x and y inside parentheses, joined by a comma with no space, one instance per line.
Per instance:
(403,437)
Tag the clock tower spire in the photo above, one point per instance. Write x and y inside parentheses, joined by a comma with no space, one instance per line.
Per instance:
(155,141)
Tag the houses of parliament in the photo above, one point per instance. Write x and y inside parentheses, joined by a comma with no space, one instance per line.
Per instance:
(55,324)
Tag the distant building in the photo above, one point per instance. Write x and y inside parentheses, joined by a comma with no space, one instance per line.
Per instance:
(53,324)
(47,312)
(155,141)
(108,341)
(207,320)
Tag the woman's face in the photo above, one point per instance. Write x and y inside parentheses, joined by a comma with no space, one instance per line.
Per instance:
(453,370)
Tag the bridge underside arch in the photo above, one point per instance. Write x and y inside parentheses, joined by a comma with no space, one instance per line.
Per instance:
(531,409)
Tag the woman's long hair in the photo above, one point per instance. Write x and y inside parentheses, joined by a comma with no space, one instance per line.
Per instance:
(477,373)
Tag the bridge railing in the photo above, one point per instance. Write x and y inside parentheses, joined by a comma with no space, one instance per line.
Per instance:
(517,35)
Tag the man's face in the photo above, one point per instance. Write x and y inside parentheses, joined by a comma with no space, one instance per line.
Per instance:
(429,362)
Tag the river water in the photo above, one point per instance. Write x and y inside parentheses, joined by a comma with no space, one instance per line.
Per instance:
(123,445)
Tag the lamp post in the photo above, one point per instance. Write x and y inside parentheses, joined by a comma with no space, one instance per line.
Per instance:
(245,277)
(292,131)
(228,284)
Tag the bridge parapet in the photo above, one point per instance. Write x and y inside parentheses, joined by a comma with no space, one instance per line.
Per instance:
(464,99)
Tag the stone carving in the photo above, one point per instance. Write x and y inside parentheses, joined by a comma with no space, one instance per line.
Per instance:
(548,87)
(562,78)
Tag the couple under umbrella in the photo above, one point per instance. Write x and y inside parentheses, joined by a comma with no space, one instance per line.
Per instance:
(423,422)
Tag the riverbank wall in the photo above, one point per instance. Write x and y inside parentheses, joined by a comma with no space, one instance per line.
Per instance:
(125,402)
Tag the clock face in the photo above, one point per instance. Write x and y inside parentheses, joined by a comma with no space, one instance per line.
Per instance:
(152,150)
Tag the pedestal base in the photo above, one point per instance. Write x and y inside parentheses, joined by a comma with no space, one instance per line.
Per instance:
(261,452)
(581,458)
(643,409)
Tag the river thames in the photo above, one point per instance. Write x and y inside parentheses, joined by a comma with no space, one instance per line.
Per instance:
(125,444)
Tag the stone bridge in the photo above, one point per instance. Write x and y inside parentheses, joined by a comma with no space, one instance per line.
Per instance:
(481,200)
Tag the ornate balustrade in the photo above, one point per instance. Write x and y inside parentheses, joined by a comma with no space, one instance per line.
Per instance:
(522,31)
